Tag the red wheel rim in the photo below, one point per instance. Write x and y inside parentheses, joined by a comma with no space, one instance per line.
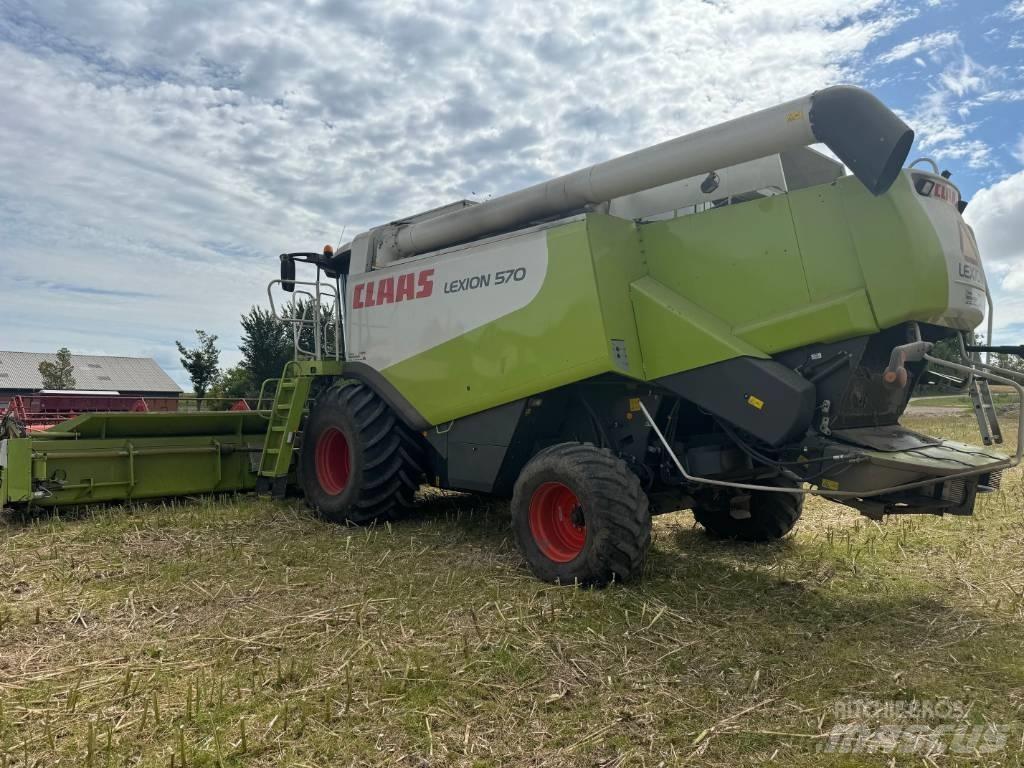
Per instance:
(557,523)
(333,461)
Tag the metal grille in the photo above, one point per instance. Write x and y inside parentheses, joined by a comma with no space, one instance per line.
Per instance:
(954,491)
(994,479)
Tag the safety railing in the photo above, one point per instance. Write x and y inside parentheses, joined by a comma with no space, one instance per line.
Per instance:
(315,316)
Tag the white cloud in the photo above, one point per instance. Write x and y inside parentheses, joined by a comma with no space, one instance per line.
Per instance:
(1016,9)
(967,78)
(924,43)
(1018,152)
(942,115)
(997,215)
(154,156)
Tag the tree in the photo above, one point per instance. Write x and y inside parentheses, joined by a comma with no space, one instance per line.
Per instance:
(1013,363)
(202,363)
(949,348)
(302,308)
(266,346)
(59,374)
(232,385)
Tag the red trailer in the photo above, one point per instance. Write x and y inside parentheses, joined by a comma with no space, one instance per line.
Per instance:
(43,409)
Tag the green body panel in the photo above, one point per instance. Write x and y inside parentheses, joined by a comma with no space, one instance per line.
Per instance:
(905,273)
(16,474)
(740,263)
(559,338)
(123,456)
(676,332)
(744,265)
(827,320)
(618,262)
(818,265)
(827,249)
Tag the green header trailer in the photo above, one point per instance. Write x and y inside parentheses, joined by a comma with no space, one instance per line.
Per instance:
(112,457)
(724,323)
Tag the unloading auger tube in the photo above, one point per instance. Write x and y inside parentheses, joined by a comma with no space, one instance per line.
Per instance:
(861,131)
(977,370)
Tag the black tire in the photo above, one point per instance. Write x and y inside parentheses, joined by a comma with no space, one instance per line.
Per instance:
(772,515)
(359,463)
(580,516)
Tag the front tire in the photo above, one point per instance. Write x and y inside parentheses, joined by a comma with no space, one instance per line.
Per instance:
(359,463)
(580,516)
(768,517)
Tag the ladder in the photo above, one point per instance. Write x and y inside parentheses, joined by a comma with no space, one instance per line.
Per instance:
(280,441)
(985,411)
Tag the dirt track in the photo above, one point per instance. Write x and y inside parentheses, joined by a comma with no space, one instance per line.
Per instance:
(933,410)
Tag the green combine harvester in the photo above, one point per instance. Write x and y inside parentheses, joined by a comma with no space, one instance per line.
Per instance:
(724,322)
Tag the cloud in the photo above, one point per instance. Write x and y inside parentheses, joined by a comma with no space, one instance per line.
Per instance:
(924,43)
(172,148)
(968,77)
(996,214)
(942,114)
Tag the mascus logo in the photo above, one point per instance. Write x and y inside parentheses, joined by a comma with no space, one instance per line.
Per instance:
(389,290)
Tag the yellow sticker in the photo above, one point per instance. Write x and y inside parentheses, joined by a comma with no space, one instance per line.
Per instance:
(794,116)
(634,404)
(830,485)
(755,401)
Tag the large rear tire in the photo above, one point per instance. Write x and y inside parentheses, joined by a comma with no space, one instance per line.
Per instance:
(359,463)
(768,517)
(580,516)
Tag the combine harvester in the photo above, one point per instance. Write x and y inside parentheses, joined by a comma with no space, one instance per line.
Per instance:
(724,322)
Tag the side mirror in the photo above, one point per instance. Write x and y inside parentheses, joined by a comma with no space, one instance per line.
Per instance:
(287,272)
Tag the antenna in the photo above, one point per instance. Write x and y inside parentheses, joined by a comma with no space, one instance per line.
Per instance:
(341,238)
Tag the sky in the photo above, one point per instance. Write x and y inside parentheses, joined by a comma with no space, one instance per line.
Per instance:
(156,155)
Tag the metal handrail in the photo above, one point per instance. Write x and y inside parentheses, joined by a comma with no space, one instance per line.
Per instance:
(263,389)
(323,345)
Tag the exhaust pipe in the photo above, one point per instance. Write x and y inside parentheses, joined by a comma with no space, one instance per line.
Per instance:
(862,132)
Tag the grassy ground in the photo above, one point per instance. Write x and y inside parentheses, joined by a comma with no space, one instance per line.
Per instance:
(244,632)
(963,401)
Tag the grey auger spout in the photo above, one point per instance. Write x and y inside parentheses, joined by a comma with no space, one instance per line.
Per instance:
(862,132)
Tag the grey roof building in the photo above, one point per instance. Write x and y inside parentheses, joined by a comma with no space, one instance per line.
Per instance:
(19,374)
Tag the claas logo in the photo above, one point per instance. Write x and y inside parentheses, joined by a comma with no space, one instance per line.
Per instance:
(390,290)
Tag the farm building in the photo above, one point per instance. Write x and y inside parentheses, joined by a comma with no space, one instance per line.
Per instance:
(95,376)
